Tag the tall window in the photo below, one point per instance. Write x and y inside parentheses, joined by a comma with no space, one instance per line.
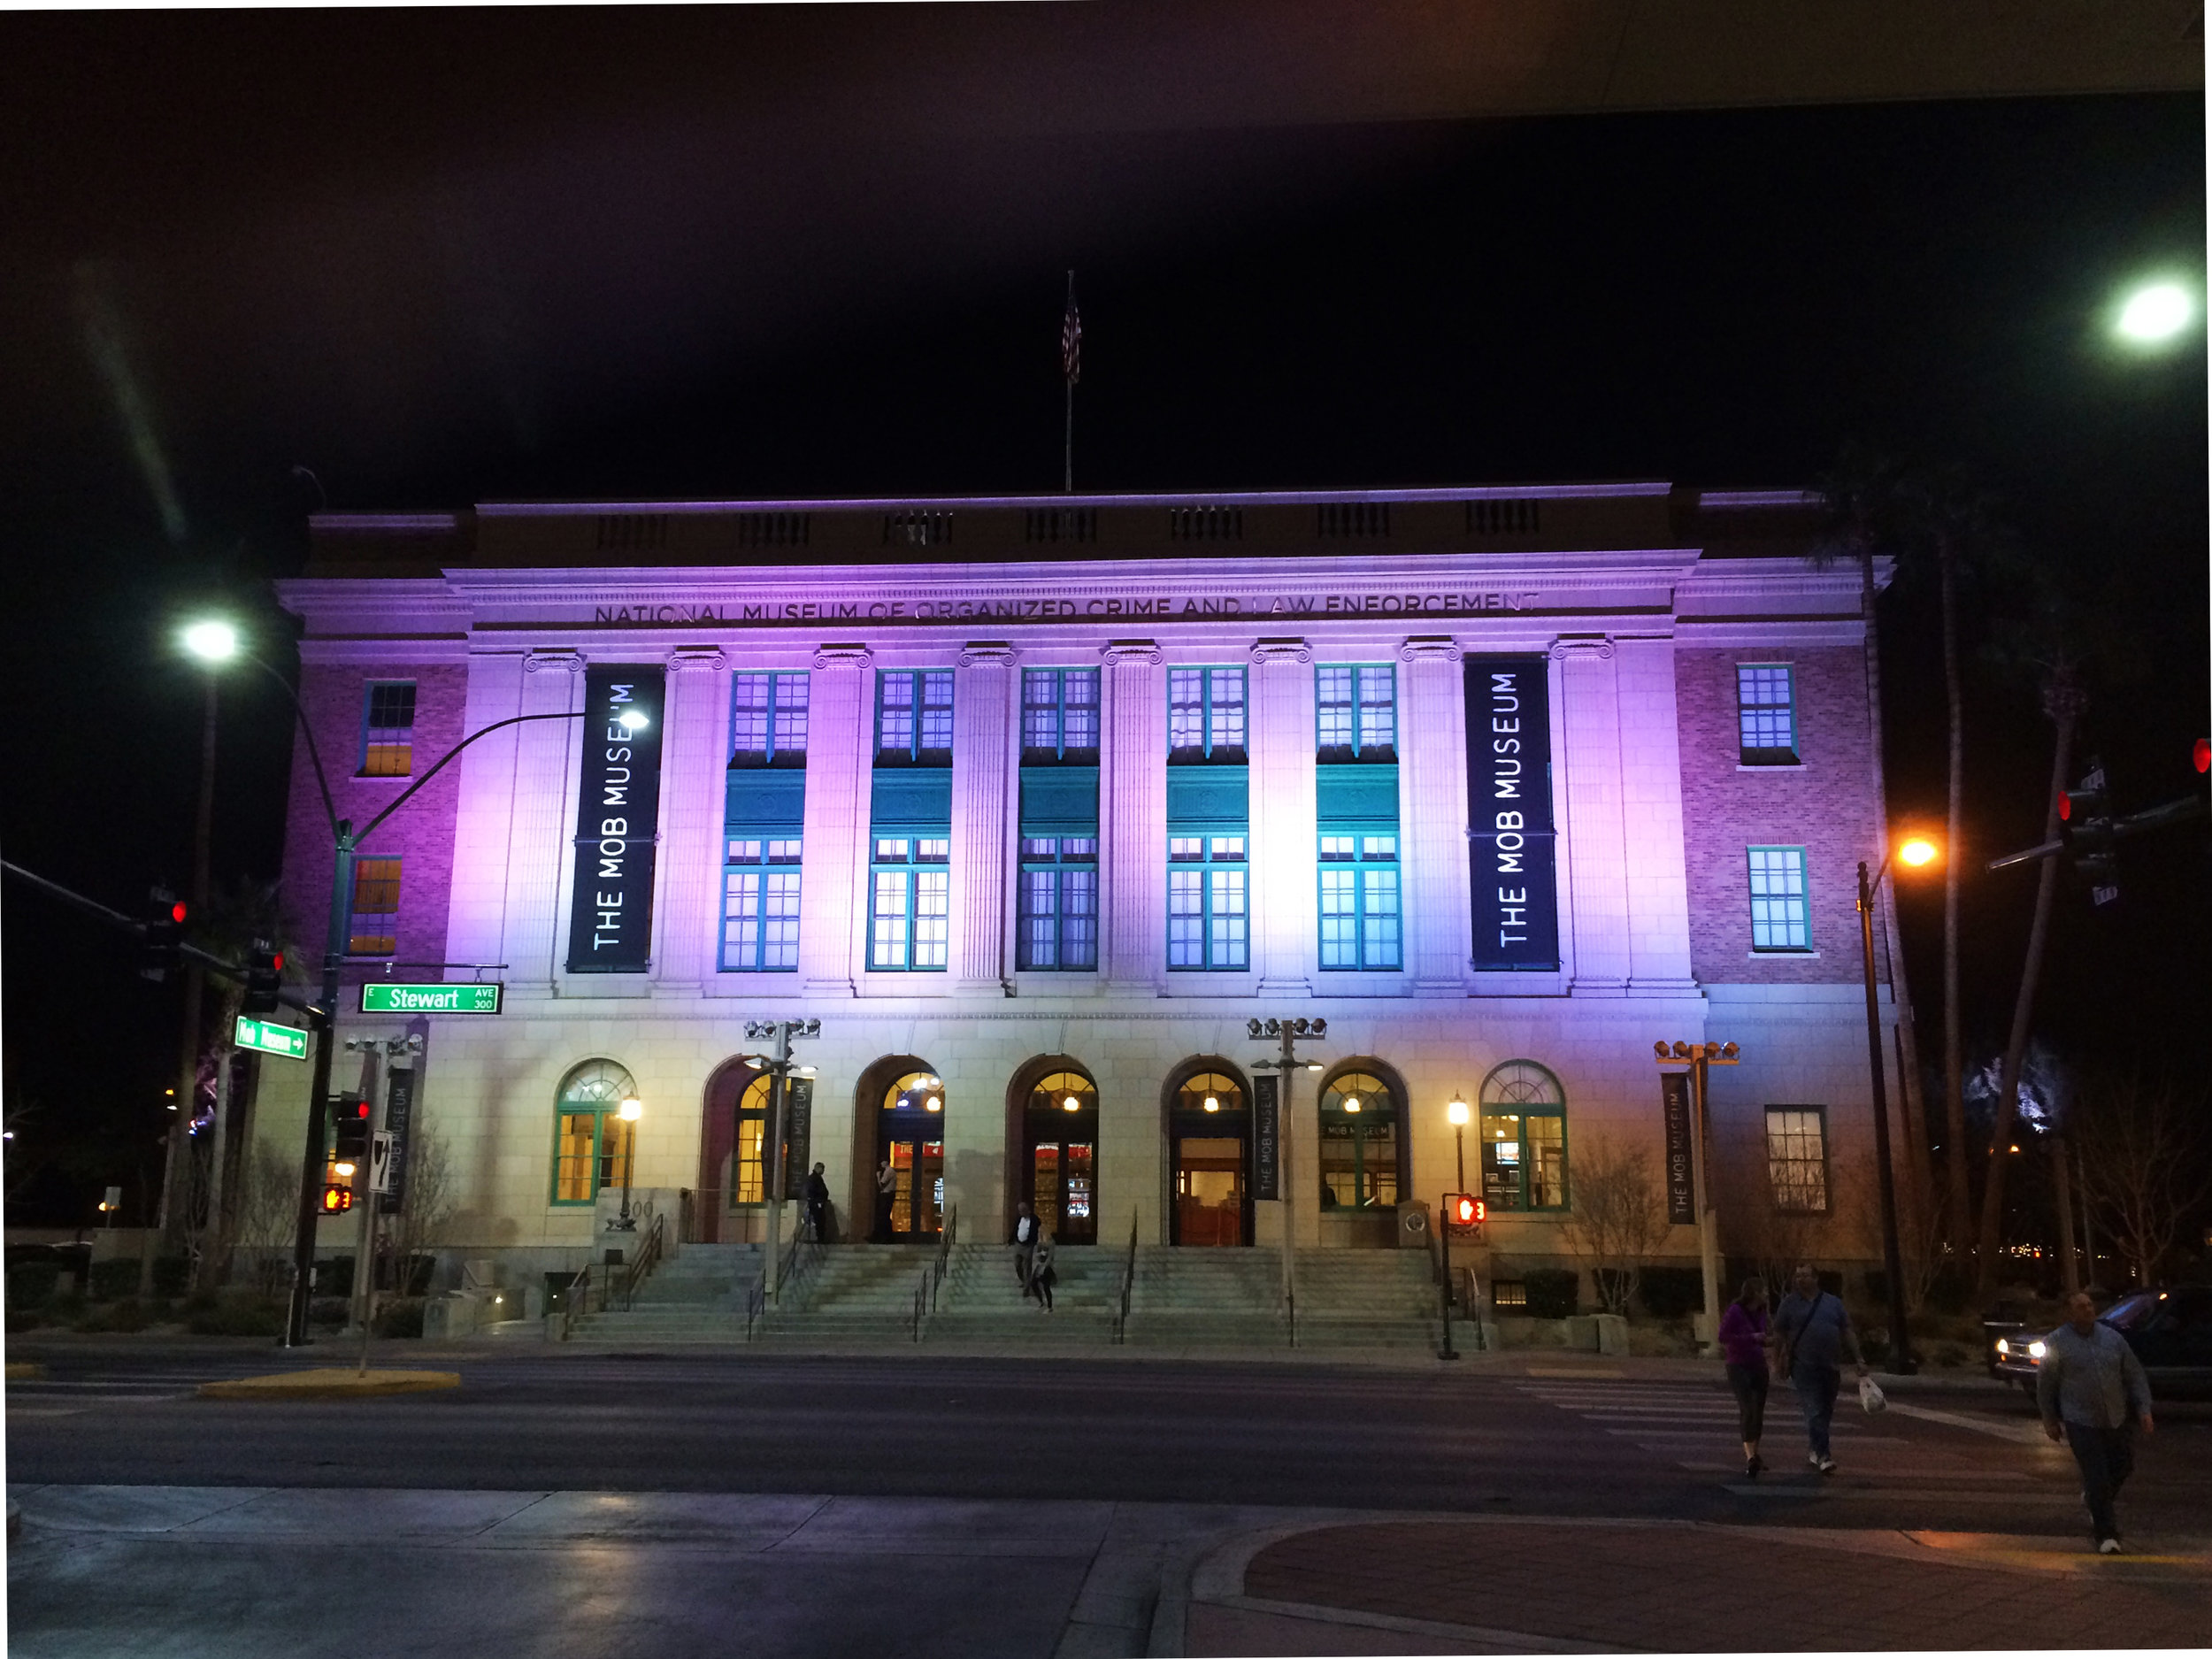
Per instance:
(591,1142)
(1359,1142)
(914,717)
(1205,715)
(374,930)
(749,1180)
(908,909)
(1058,908)
(760,906)
(768,720)
(1523,1138)
(1207,924)
(1797,1157)
(1359,902)
(1358,706)
(1781,918)
(1059,716)
(1766,714)
(387,729)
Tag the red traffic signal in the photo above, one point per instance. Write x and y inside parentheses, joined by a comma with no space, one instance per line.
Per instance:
(1464,1209)
(2202,754)
(264,971)
(159,935)
(337,1199)
(351,1113)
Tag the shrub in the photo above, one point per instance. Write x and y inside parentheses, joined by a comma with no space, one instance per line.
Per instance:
(402,1317)
(126,1314)
(1554,1292)
(334,1277)
(238,1315)
(114,1278)
(1672,1292)
(329,1309)
(172,1275)
(31,1283)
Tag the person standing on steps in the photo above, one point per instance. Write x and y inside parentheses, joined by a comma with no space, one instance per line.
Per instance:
(818,1204)
(1744,1334)
(2094,1395)
(1041,1276)
(1814,1330)
(1027,1230)
(887,1188)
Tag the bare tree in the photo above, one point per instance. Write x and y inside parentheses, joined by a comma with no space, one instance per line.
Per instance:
(429,1206)
(267,1215)
(2146,1159)
(1618,1215)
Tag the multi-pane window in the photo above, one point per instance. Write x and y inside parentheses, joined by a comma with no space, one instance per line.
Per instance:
(760,905)
(1358,710)
(908,910)
(1781,919)
(1766,714)
(1205,715)
(374,929)
(914,717)
(1057,923)
(768,720)
(1208,921)
(388,730)
(1797,1157)
(1360,923)
(1359,1143)
(1059,716)
(1523,1131)
(591,1140)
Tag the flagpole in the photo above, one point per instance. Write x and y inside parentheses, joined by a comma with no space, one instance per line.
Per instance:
(1071,347)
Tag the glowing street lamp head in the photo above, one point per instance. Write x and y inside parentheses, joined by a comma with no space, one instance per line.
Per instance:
(633,1109)
(633,720)
(2155,314)
(1456,1112)
(1916,850)
(212,640)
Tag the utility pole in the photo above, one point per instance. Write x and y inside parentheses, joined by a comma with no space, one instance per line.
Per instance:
(1696,1057)
(1287,1033)
(780,1068)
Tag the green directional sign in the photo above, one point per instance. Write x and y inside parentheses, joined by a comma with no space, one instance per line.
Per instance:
(265,1036)
(385,998)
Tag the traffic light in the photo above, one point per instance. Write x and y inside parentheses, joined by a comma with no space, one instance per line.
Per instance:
(337,1198)
(264,978)
(1464,1210)
(161,933)
(351,1113)
(2084,815)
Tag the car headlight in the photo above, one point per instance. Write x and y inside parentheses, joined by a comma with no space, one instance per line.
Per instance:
(2003,1347)
(2035,1350)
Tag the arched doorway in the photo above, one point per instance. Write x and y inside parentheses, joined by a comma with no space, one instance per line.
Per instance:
(733,1169)
(1057,1124)
(1362,1150)
(903,1103)
(1209,1155)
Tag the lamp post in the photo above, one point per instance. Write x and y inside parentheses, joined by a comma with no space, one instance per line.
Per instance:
(630,1110)
(1696,1057)
(780,1068)
(206,639)
(1456,1112)
(1916,852)
(1287,1033)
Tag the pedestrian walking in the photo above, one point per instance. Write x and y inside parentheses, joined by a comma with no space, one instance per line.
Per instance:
(1042,1276)
(887,1188)
(818,1204)
(2093,1394)
(1027,1230)
(1745,1337)
(1814,1330)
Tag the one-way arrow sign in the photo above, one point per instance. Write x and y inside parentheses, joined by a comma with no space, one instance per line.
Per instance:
(381,1161)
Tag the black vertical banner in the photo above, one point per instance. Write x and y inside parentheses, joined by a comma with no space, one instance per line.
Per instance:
(618,819)
(399,1111)
(798,1134)
(1267,1138)
(1510,835)
(1674,1099)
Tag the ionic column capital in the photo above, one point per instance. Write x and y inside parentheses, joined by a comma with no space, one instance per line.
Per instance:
(1430,647)
(852,656)
(987,654)
(1281,652)
(1141,652)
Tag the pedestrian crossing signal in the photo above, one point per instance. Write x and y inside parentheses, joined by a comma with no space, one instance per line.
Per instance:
(1464,1209)
(337,1198)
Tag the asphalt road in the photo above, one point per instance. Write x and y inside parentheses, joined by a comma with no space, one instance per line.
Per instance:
(1521,1437)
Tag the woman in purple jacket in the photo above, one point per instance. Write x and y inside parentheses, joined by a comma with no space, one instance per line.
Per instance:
(1743,1344)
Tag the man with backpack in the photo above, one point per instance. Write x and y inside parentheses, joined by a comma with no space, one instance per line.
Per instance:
(1812,1331)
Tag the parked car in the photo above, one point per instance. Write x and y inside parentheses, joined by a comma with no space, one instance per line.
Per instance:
(2170,1330)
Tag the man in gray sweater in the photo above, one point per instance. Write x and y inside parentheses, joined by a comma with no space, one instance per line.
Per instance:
(2093,1394)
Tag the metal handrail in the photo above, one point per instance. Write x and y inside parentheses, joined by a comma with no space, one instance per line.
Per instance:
(755,1304)
(575,1302)
(800,1258)
(945,1237)
(648,1257)
(921,1300)
(1128,1282)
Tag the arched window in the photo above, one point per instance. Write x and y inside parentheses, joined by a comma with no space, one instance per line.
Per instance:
(910,1143)
(1210,1130)
(592,1143)
(1359,1142)
(1523,1138)
(747,1168)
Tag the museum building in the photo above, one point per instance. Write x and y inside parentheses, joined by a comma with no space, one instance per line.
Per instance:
(1036,803)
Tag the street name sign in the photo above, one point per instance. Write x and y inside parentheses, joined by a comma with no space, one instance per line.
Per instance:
(381,997)
(265,1036)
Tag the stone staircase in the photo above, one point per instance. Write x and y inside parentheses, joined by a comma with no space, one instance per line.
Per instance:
(1368,1299)
(982,1301)
(1207,1298)
(696,1294)
(856,1293)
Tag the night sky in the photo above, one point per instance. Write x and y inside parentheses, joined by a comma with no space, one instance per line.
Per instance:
(442,258)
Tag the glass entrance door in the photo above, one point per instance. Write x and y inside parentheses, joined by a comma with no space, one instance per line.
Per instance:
(1209,1190)
(918,1187)
(1060,1154)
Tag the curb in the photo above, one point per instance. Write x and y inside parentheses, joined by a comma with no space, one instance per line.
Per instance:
(329,1383)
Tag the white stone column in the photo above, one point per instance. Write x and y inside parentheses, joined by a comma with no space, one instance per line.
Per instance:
(1586,750)
(984,760)
(1132,817)
(686,911)
(1651,802)
(1282,903)
(483,820)
(1432,816)
(834,870)
(539,850)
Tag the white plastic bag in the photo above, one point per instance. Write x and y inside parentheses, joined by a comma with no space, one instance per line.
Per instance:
(1871,1396)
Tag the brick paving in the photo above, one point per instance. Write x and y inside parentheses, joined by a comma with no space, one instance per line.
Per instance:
(1699,1588)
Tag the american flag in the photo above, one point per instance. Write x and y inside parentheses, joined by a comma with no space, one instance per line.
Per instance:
(1071,338)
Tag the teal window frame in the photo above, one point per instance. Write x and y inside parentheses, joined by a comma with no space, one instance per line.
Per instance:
(598,1096)
(778,718)
(1205,725)
(1056,905)
(1526,1090)
(1045,724)
(914,717)
(1206,932)
(1353,723)
(909,882)
(1781,900)
(1766,722)
(760,904)
(1362,899)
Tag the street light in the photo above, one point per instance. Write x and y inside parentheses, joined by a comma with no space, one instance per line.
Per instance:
(630,1110)
(781,1070)
(1288,1032)
(1916,852)
(1697,1056)
(1458,1113)
(212,639)
(2154,313)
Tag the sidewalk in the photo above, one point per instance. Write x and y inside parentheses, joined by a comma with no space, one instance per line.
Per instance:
(1457,1585)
